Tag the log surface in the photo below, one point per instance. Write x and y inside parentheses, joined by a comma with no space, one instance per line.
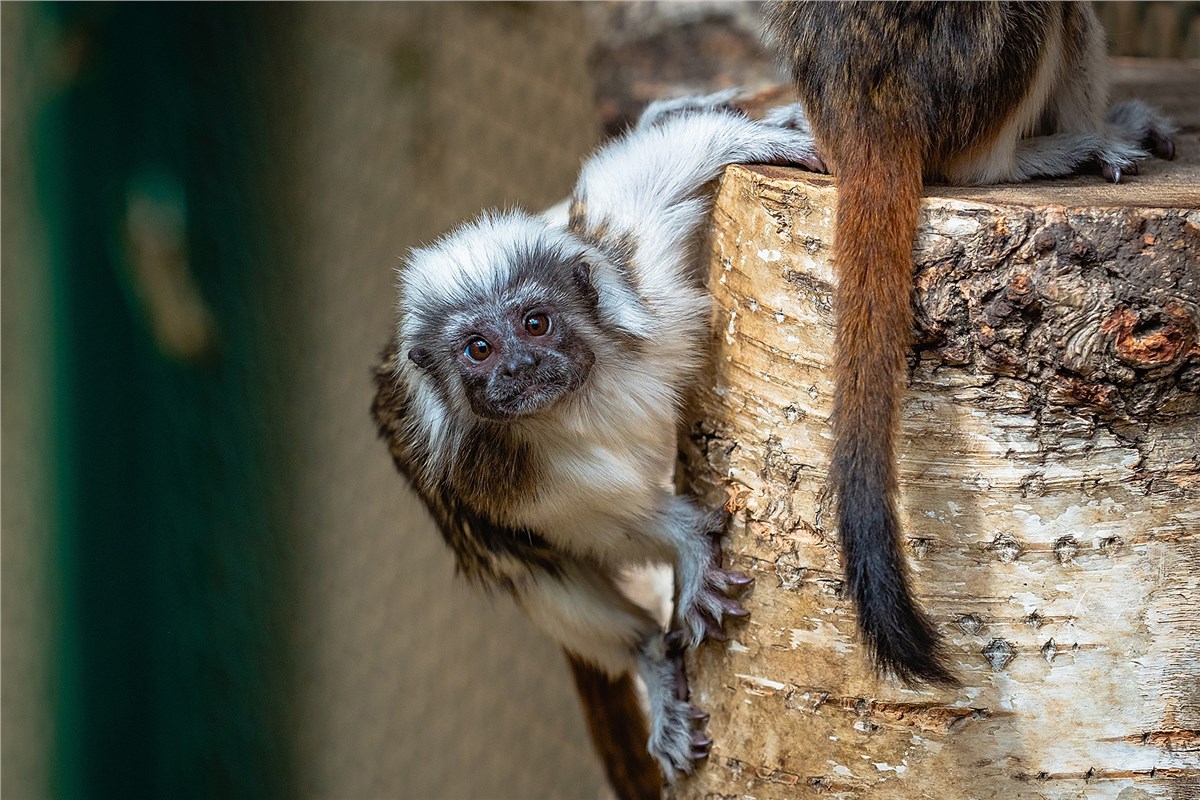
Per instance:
(1050,474)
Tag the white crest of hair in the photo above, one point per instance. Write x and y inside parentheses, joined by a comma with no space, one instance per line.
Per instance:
(467,265)
(473,261)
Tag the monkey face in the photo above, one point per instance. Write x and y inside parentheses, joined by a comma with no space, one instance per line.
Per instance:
(521,360)
(501,317)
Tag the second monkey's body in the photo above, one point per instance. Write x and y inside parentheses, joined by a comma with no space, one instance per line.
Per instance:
(897,93)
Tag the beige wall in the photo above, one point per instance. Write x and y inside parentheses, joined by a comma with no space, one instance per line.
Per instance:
(395,121)
(387,123)
(26,525)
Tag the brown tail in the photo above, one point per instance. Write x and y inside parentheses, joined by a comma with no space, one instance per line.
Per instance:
(879,187)
(618,731)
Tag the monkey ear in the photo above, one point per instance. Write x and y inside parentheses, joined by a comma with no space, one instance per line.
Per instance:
(582,273)
(421,357)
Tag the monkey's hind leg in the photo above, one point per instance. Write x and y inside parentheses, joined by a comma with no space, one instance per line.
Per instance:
(1063,154)
(1138,122)
(1078,108)
(581,607)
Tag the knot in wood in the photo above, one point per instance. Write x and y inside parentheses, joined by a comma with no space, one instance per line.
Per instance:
(919,546)
(969,624)
(1007,548)
(1065,549)
(1152,338)
(999,653)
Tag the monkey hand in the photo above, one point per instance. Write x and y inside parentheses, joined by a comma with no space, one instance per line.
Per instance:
(710,600)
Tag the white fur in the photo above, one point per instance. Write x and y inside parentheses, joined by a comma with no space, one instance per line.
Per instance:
(472,260)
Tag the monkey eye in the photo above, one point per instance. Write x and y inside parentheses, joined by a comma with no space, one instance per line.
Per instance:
(537,324)
(478,350)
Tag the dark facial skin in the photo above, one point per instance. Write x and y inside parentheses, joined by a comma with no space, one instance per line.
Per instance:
(521,361)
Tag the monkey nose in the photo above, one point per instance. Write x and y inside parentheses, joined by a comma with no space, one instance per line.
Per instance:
(518,363)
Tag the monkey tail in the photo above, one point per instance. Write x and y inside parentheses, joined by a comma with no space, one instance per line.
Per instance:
(879,187)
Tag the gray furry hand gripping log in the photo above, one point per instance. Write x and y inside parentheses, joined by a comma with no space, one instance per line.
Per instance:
(897,93)
(532,396)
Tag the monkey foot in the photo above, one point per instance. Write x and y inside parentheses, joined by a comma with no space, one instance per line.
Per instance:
(1113,172)
(713,621)
(1155,141)
(1160,145)
(677,741)
(714,528)
(677,737)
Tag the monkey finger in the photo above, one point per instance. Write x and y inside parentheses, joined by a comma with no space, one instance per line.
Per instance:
(733,581)
(1111,172)
(715,554)
(713,630)
(732,608)
(1162,146)
(697,715)
(681,682)
(717,521)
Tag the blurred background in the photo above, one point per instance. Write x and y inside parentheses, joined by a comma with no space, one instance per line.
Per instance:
(214,583)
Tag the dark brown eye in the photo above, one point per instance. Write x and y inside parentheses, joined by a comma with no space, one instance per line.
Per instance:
(479,350)
(537,324)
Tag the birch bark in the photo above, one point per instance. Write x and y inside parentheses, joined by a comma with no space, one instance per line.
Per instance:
(1050,475)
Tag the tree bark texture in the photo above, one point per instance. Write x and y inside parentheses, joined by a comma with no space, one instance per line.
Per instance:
(1050,484)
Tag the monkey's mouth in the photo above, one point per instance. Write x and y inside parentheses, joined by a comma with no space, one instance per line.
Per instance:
(529,400)
(534,394)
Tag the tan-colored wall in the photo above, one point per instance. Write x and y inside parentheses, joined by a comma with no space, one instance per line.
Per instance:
(26,523)
(394,122)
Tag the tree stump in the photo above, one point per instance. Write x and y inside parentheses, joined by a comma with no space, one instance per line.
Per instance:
(1050,474)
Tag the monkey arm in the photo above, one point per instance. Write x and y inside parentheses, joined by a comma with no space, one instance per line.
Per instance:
(653,178)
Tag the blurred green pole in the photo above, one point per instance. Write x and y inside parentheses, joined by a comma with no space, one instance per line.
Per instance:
(172,668)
